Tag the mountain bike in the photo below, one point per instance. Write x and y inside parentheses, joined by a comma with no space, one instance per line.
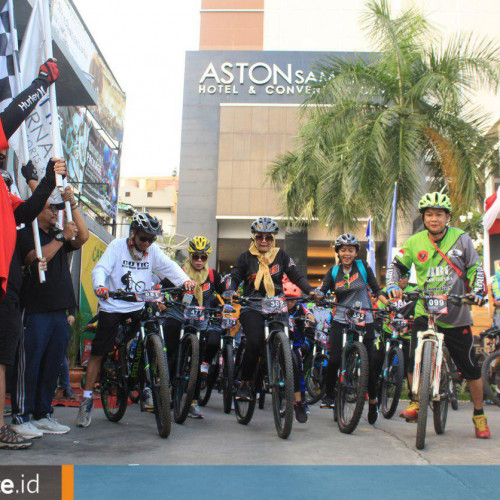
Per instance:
(221,369)
(491,367)
(393,370)
(432,371)
(144,366)
(274,372)
(315,366)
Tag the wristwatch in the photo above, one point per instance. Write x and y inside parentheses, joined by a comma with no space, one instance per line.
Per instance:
(60,237)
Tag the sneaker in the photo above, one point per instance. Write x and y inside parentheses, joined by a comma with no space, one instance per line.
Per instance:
(68,393)
(481,426)
(306,406)
(27,430)
(50,425)
(84,418)
(11,440)
(244,393)
(147,399)
(411,412)
(328,402)
(204,369)
(194,411)
(372,413)
(300,412)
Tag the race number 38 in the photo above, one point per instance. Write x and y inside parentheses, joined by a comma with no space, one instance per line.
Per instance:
(437,304)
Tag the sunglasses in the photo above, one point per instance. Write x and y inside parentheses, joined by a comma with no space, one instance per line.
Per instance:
(145,239)
(201,257)
(264,237)
(53,208)
(346,279)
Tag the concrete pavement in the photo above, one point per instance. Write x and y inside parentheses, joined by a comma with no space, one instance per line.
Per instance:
(220,440)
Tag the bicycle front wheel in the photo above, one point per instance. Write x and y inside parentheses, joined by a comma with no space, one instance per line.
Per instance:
(491,377)
(185,382)
(314,378)
(424,393)
(282,384)
(352,387)
(228,377)
(207,385)
(440,408)
(243,410)
(159,383)
(114,391)
(392,382)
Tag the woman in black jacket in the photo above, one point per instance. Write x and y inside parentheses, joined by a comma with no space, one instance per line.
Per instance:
(350,280)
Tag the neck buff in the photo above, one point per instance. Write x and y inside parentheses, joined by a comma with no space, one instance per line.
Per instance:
(134,252)
(199,277)
(265,260)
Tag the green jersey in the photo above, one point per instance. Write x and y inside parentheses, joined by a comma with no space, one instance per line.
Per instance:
(434,274)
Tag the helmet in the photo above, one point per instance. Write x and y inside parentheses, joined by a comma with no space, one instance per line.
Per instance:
(346,239)
(142,221)
(199,244)
(291,290)
(434,200)
(264,225)
(7,178)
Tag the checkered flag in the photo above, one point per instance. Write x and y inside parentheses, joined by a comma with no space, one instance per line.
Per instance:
(7,78)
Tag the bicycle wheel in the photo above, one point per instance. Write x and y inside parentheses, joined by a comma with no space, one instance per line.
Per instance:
(228,377)
(262,398)
(424,393)
(159,383)
(243,409)
(281,379)
(352,387)
(491,377)
(185,383)
(392,382)
(114,392)
(440,408)
(206,388)
(315,377)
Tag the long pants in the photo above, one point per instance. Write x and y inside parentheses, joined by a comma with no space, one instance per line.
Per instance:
(38,364)
(336,334)
(253,325)
(64,380)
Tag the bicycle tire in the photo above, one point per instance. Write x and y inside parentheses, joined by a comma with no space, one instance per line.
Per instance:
(184,385)
(159,384)
(440,408)
(206,392)
(314,379)
(281,382)
(352,386)
(243,410)
(228,377)
(113,384)
(491,377)
(393,378)
(424,394)
(262,398)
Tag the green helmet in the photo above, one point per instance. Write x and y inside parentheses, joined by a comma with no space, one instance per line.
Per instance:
(434,200)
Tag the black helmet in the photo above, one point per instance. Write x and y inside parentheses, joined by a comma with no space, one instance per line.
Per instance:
(346,239)
(142,221)
(264,225)
(7,178)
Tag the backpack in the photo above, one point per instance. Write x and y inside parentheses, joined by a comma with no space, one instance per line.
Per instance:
(361,267)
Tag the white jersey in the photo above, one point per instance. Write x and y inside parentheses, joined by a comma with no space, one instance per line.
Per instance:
(117,269)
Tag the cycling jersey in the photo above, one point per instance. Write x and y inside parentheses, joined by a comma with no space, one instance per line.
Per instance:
(435,274)
(117,269)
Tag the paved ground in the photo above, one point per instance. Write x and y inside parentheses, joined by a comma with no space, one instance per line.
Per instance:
(220,440)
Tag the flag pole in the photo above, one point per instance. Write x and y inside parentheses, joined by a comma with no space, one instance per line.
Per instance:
(392,234)
(56,131)
(24,139)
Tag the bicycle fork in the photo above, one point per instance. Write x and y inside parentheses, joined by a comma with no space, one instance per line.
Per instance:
(436,338)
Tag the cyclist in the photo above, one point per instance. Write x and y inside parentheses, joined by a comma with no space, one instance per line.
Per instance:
(208,281)
(495,288)
(350,280)
(139,256)
(302,327)
(446,261)
(261,270)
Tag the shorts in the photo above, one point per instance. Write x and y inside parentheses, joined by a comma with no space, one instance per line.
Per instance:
(10,331)
(460,344)
(107,329)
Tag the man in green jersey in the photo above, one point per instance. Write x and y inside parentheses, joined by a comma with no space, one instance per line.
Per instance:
(446,262)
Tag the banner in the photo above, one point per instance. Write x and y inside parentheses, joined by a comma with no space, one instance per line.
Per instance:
(100,178)
(91,253)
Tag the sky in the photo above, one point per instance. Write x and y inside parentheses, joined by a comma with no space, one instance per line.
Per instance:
(144,44)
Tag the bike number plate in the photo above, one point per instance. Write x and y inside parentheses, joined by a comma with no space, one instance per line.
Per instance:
(437,304)
(400,325)
(228,322)
(195,313)
(274,305)
(151,296)
(356,317)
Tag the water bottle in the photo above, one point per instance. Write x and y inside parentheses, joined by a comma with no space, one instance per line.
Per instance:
(132,349)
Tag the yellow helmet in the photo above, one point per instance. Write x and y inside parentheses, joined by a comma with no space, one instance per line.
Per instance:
(199,244)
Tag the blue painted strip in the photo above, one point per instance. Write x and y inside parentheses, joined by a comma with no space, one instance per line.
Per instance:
(290,482)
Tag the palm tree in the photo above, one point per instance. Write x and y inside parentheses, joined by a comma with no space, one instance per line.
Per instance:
(401,114)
